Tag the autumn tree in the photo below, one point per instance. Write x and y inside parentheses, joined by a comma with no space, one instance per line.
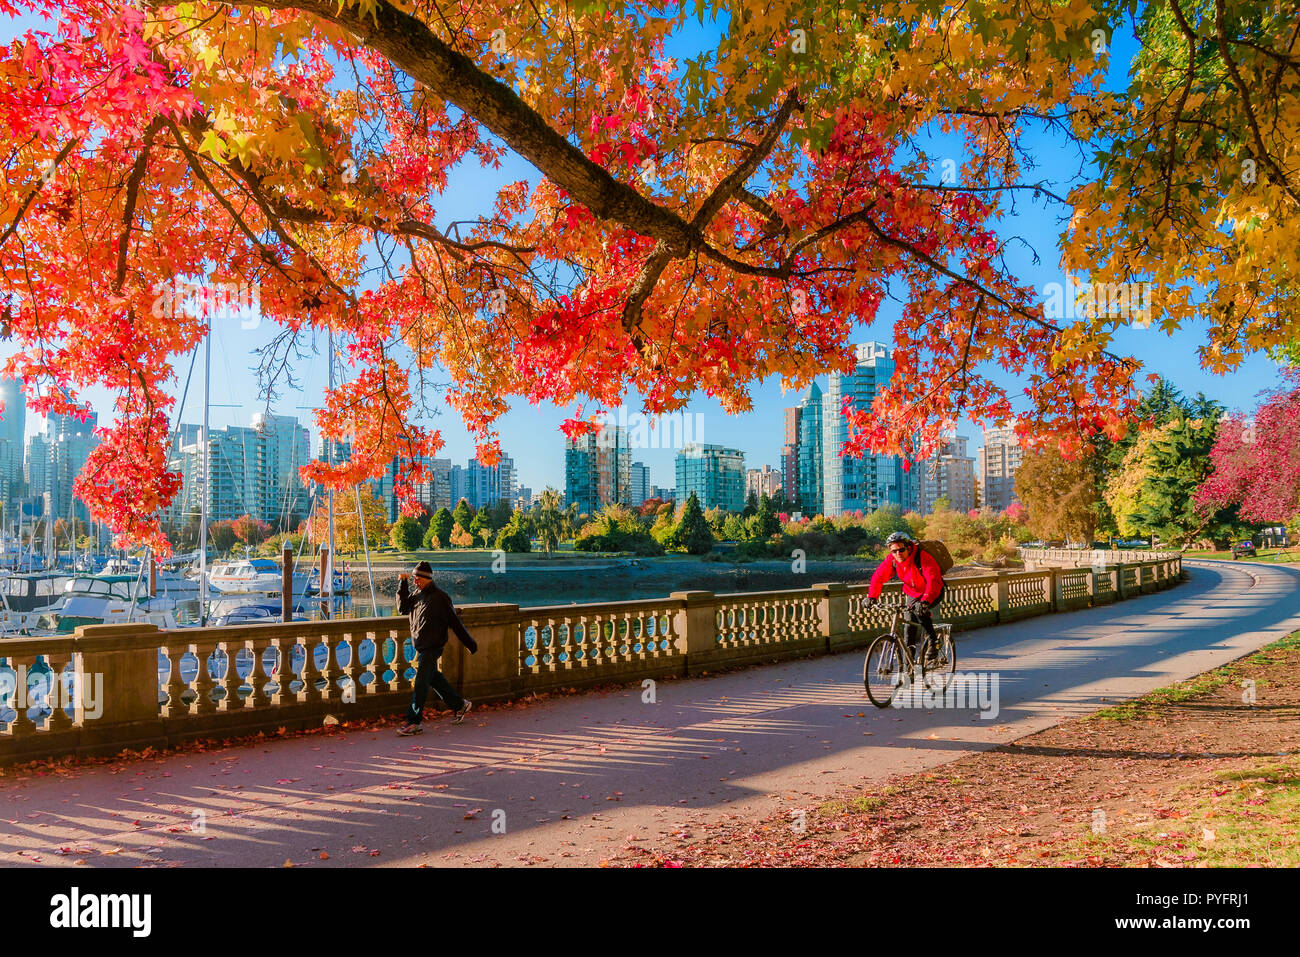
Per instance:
(1060,495)
(250,531)
(1255,461)
(165,159)
(1197,178)
(348,533)
(222,536)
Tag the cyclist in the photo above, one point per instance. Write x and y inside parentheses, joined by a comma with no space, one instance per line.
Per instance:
(922,583)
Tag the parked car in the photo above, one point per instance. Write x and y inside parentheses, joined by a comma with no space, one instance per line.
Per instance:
(1243,550)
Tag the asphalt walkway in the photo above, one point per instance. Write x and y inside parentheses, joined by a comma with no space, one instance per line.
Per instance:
(571,780)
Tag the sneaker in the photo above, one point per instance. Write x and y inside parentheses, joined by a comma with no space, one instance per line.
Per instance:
(407,729)
(459,716)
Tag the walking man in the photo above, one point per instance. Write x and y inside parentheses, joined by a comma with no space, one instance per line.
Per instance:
(432,613)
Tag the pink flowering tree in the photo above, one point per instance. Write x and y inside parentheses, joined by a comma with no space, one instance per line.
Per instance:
(1255,461)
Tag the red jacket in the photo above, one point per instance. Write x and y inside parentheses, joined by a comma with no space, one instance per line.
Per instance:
(924,582)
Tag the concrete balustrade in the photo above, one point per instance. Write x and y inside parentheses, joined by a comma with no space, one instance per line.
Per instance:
(133,686)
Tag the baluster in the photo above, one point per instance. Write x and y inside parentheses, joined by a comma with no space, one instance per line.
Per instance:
(310,672)
(231,682)
(401,662)
(609,636)
(203,681)
(22,726)
(332,671)
(284,693)
(176,685)
(61,696)
(378,665)
(566,637)
(355,668)
(257,677)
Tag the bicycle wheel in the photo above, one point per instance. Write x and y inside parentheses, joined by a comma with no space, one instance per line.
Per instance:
(938,660)
(883,670)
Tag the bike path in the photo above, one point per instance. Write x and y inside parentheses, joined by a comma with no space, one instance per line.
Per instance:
(573,780)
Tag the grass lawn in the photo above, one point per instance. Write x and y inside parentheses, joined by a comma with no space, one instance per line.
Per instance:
(1273,555)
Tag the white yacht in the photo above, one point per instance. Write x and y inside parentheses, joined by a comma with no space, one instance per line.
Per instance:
(169,581)
(253,575)
(109,600)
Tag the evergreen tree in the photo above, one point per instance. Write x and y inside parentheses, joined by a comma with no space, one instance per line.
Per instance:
(500,515)
(463,514)
(1153,493)
(406,534)
(480,523)
(751,504)
(692,532)
(766,523)
(440,527)
(514,537)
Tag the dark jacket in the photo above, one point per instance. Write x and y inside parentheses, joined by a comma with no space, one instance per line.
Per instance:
(432,613)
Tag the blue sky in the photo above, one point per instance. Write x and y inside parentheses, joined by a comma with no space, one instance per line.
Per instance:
(531,434)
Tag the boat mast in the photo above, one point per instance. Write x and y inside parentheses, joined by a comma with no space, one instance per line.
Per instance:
(205,452)
(329,452)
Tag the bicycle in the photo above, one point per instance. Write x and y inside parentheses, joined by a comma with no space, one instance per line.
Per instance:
(889,662)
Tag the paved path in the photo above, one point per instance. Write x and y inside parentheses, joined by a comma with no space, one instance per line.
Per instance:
(573,780)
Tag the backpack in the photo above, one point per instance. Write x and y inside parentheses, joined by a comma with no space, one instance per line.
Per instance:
(939,552)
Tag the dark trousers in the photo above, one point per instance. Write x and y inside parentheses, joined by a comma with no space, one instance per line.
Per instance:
(428,676)
(913,616)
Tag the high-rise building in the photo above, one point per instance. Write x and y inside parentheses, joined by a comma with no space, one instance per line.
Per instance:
(790,455)
(998,461)
(663,494)
(251,470)
(55,459)
(949,474)
(597,468)
(764,481)
(808,453)
(281,449)
(715,474)
(860,484)
(435,492)
(485,485)
(13,428)
(638,483)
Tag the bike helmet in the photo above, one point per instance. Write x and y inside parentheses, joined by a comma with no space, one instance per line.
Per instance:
(897,537)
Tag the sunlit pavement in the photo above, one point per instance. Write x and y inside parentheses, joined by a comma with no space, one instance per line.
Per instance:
(573,780)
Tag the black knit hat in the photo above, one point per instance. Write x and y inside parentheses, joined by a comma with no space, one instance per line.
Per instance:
(424,568)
